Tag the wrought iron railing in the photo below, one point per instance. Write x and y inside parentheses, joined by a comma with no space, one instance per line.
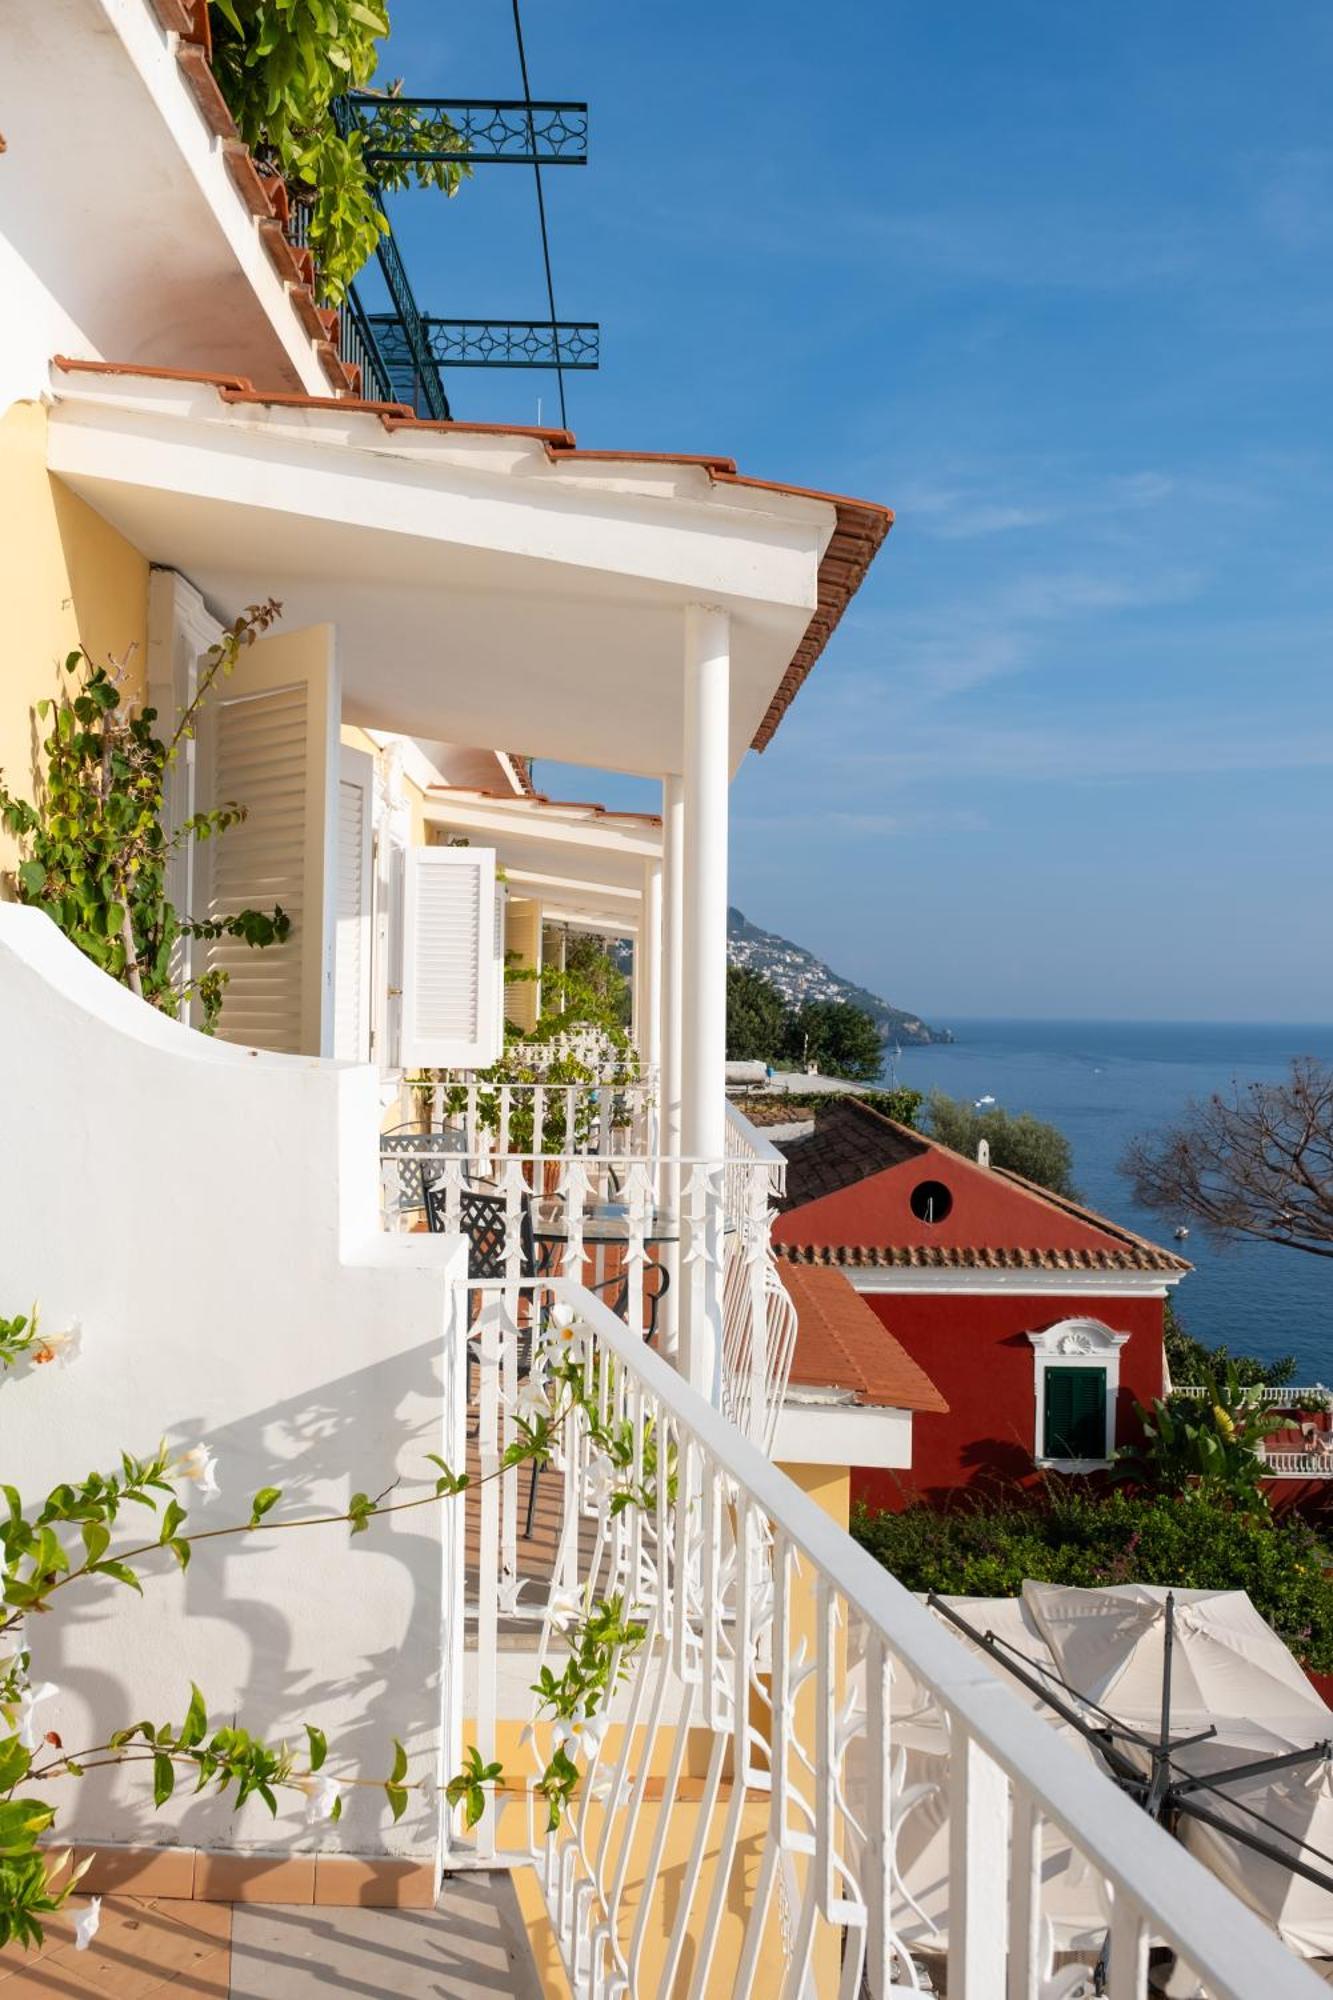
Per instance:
(745,1820)
(410,375)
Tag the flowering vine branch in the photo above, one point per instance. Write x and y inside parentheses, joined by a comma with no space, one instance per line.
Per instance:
(69,1538)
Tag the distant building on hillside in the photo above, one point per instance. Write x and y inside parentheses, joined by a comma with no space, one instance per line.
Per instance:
(1039,1323)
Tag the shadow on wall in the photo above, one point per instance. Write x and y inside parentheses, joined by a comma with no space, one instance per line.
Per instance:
(344,1437)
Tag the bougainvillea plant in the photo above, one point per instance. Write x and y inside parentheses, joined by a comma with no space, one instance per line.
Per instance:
(94,846)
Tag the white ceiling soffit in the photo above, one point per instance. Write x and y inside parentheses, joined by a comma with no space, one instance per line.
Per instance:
(482,593)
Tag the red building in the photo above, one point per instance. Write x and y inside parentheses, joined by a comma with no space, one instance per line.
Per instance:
(1039,1323)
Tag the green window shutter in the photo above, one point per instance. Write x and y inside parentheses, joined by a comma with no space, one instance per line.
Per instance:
(1074,1419)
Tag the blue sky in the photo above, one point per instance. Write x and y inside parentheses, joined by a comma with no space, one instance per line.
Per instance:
(1057,284)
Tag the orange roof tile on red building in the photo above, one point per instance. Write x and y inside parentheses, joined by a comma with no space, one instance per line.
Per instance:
(849,1190)
(842,1344)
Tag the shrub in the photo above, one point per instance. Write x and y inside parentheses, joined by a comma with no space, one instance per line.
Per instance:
(1196,1541)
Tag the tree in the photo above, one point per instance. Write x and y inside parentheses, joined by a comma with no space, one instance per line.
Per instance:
(757,1016)
(1257,1165)
(1018,1141)
(839,1039)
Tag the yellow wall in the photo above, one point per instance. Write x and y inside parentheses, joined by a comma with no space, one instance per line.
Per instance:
(523,949)
(67,579)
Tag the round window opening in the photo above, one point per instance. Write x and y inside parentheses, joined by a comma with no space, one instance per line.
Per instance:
(931,1201)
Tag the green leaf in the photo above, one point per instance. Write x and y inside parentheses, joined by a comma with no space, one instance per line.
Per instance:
(397,1797)
(319,1748)
(399,1771)
(96,1539)
(195,1727)
(266,1498)
(32,875)
(164,1779)
(122,1573)
(14,1762)
(21,1822)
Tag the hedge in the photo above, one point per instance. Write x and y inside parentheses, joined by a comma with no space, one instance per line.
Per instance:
(1193,1542)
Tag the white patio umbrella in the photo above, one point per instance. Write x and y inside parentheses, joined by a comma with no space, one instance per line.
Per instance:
(1074,1901)
(1228,1671)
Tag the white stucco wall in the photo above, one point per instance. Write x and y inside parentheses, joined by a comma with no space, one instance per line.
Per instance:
(209,1215)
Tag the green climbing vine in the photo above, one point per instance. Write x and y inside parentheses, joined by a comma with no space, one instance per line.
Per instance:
(281,65)
(74,1537)
(94,848)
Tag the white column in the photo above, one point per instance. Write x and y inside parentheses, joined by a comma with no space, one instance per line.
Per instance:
(648,948)
(673,981)
(703,1123)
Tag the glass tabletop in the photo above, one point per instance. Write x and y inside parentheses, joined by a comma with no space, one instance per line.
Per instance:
(603,1222)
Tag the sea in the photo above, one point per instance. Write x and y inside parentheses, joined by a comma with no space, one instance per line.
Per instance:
(1105,1082)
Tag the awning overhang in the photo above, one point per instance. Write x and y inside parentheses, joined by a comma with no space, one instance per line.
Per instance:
(584,865)
(491,587)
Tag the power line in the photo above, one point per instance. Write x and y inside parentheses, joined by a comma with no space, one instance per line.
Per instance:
(541,205)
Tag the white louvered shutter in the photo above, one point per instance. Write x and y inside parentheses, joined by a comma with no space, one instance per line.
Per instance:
(451,1001)
(352,939)
(268,741)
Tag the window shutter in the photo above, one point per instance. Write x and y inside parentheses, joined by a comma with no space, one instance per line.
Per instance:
(1075,1414)
(268,741)
(352,943)
(451,995)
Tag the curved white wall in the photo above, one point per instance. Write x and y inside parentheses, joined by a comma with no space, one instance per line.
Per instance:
(209,1214)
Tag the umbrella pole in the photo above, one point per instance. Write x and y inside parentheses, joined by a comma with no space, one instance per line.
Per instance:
(1215,1779)
(1267,1848)
(1156,1800)
(1101,1738)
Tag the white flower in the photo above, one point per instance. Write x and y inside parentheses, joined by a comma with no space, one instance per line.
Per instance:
(564,1608)
(199,1464)
(87,1923)
(566,1335)
(326,1797)
(532,1401)
(580,1731)
(599,1481)
(29,1733)
(62,1347)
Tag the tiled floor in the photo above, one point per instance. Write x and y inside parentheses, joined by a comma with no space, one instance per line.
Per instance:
(470,1947)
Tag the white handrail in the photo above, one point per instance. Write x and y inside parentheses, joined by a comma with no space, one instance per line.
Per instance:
(752,1597)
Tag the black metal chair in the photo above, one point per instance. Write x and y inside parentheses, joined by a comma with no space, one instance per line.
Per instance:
(411,1151)
(483,1218)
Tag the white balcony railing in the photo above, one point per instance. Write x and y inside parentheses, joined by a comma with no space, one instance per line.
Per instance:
(656,1237)
(600,1119)
(1293,1396)
(740,1821)
(1314,1464)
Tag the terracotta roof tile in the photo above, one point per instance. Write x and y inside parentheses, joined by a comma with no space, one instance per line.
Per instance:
(847,1203)
(203,85)
(254,188)
(841,1343)
(860,528)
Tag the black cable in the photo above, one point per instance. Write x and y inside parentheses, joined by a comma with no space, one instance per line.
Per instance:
(541,210)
